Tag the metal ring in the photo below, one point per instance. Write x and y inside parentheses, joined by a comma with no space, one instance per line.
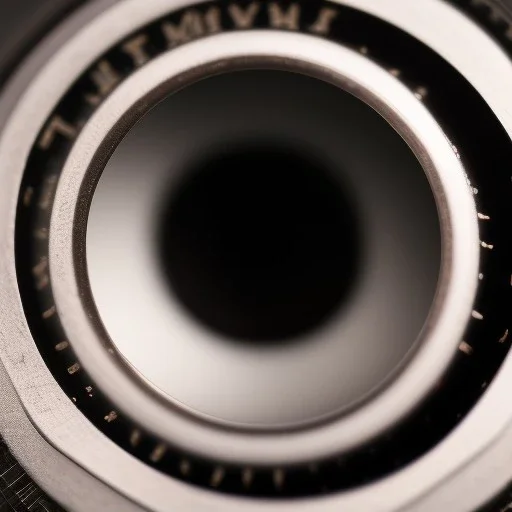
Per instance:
(459,271)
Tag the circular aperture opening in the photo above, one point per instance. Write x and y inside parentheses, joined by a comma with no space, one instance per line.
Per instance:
(259,242)
(264,249)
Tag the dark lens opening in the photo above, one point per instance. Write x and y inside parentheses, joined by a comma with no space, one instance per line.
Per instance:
(259,242)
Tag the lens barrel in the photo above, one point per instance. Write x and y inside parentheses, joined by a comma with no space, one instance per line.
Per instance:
(254,253)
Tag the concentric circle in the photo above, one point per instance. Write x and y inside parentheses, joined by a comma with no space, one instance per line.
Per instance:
(357,75)
(453,103)
(273,275)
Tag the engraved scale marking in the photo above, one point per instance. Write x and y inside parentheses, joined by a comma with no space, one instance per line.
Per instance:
(110,417)
(278,477)
(56,126)
(27,196)
(135,48)
(158,453)
(48,192)
(49,313)
(135,437)
(40,272)
(63,345)
(284,17)
(193,25)
(326,17)
(477,315)
(217,476)
(185,467)
(74,368)
(466,348)
(421,92)
(106,79)
(244,17)
(247,477)
(41,234)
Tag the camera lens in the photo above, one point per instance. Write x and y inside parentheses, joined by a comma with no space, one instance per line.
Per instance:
(255,256)
(285,237)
